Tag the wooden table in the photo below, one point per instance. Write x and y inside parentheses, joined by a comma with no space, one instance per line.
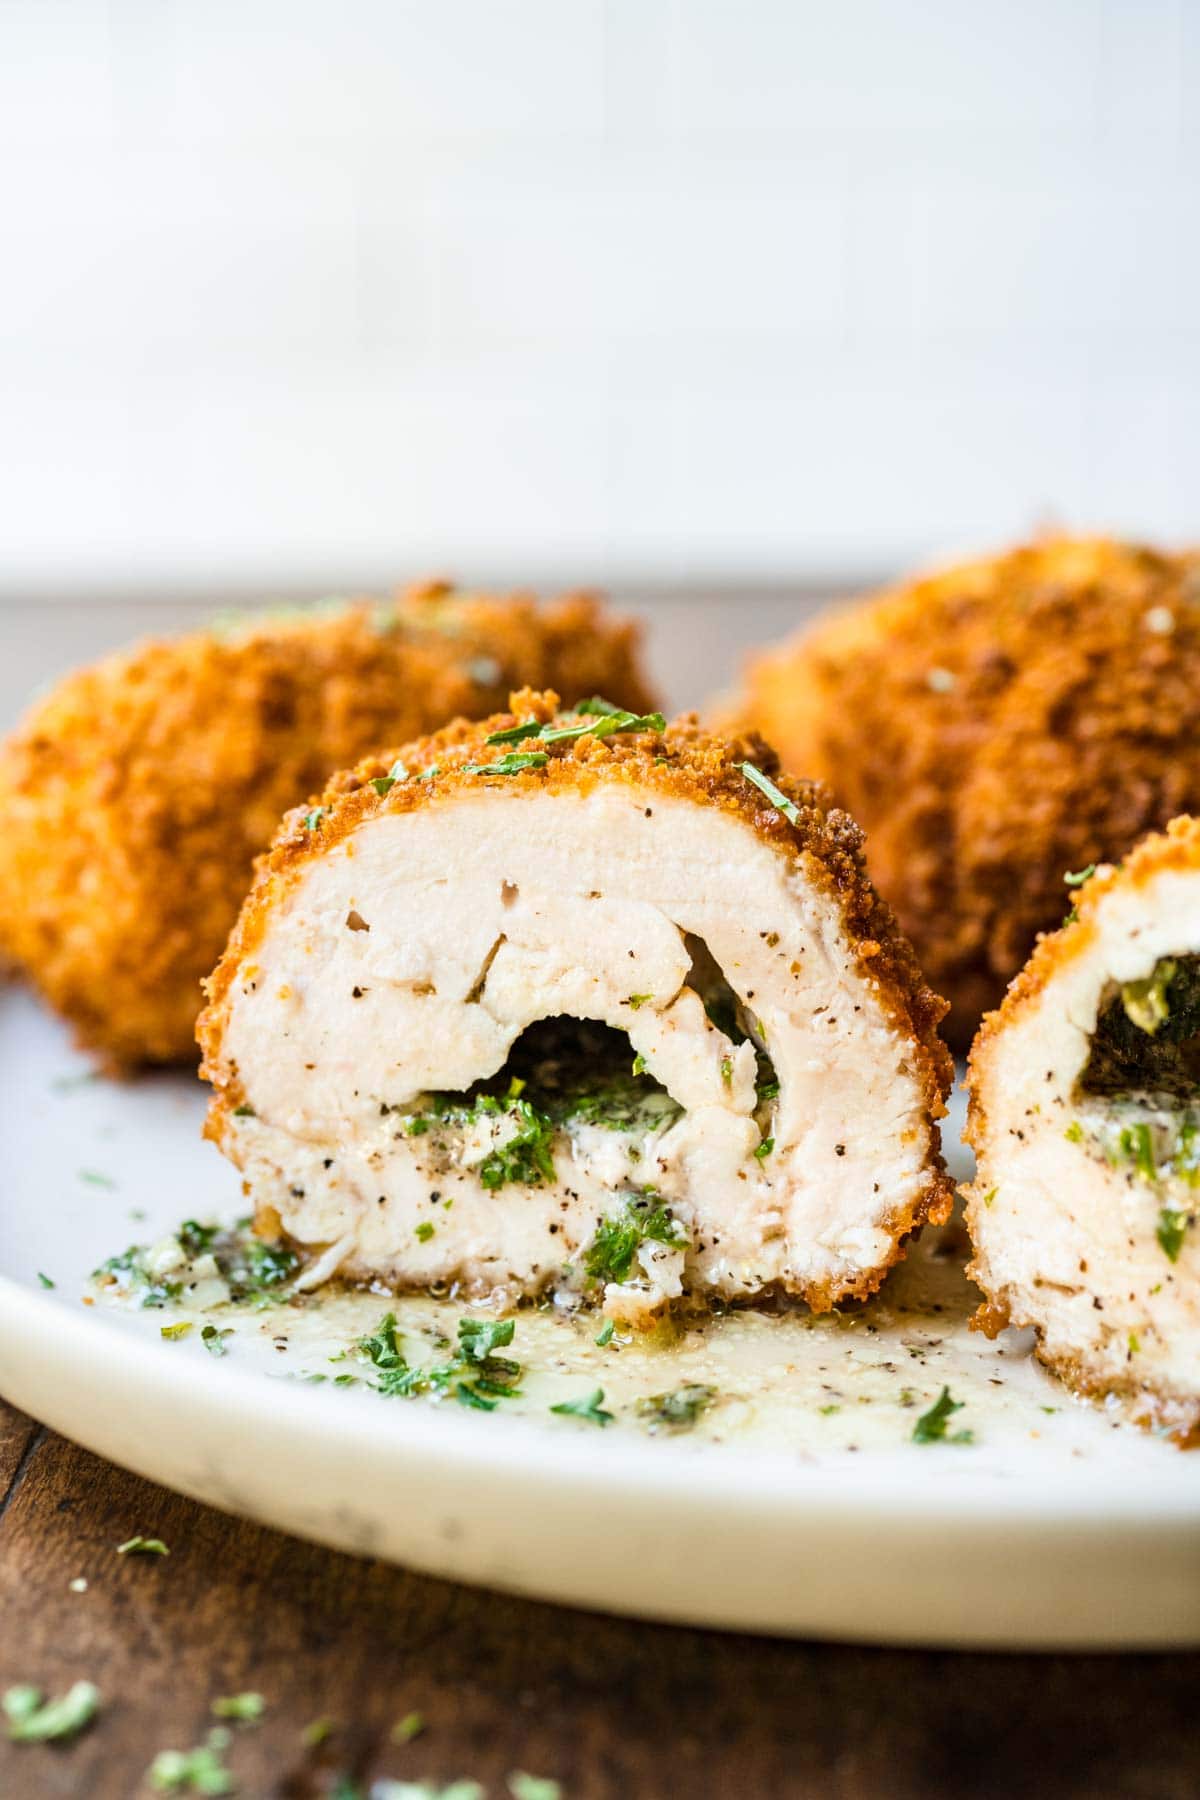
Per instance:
(609,1708)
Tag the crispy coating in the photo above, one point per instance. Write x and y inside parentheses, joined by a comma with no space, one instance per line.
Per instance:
(136,796)
(682,762)
(993,726)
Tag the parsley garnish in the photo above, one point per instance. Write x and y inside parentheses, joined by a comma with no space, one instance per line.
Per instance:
(776,796)
(679,1409)
(1145,1002)
(610,1256)
(601,721)
(142,1546)
(475,1378)
(31,1719)
(588,1408)
(637,1001)
(605,1335)
(95,1178)
(533,1787)
(1077,880)
(249,1708)
(179,1330)
(383,784)
(512,764)
(765,1148)
(930,1428)
(198,1771)
(1136,1144)
(425,1230)
(45,1280)
(214,1340)
(312,820)
(406,1729)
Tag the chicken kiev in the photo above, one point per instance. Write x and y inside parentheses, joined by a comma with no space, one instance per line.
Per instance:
(137,794)
(991,725)
(579,1004)
(1085,1117)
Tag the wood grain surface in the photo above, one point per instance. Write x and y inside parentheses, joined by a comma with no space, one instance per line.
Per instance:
(608,1708)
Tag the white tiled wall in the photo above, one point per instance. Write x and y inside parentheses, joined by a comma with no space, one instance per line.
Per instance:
(325,290)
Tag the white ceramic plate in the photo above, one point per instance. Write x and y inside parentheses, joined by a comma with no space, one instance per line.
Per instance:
(799,1504)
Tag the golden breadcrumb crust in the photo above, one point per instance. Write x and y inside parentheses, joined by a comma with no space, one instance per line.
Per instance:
(136,796)
(682,762)
(992,726)
(1176,848)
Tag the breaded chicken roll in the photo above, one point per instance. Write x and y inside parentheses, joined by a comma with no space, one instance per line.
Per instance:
(137,794)
(991,725)
(578,1003)
(1085,1117)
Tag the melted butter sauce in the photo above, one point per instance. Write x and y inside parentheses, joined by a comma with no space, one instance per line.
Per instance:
(839,1384)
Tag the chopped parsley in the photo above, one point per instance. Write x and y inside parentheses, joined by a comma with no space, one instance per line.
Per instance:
(637,1001)
(589,1407)
(316,1732)
(727,1070)
(1074,1132)
(96,1178)
(679,1409)
(45,1280)
(604,1337)
(179,1330)
(1145,1002)
(383,784)
(312,820)
(600,720)
(611,1254)
(475,1377)
(198,1771)
(142,1546)
(512,764)
(533,1787)
(765,1148)
(33,1719)
(1077,880)
(930,1428)
(1171,1231)
(247,1708)
(425,1230)
(776,796)
(214,1340)
(406,1729)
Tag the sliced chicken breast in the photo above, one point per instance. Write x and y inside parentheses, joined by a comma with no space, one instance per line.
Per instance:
(1085,1117)
(578,1004)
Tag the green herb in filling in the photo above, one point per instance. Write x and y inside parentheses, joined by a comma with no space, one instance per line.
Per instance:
(611,1254)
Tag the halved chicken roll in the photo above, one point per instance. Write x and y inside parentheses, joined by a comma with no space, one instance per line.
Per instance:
(1085,1117)
(578,1004)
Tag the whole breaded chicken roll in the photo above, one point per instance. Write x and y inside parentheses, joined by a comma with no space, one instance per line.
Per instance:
(137,793)
(1085,1117)
(578,1003)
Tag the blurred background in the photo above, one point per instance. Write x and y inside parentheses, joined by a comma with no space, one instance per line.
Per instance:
(749,300)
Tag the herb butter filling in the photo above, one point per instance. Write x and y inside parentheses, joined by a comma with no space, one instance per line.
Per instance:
(1139,1092)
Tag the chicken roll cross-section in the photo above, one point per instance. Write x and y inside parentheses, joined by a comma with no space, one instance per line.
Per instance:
(1085,1117)
(578,1004)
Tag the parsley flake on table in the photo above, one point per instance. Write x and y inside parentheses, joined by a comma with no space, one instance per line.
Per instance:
(930,1428)
(45,1280)
(32,1719)
(590,1407)
(97,1178)
(533,1787)
(214,1339)
(248,1709)
(198,1771)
